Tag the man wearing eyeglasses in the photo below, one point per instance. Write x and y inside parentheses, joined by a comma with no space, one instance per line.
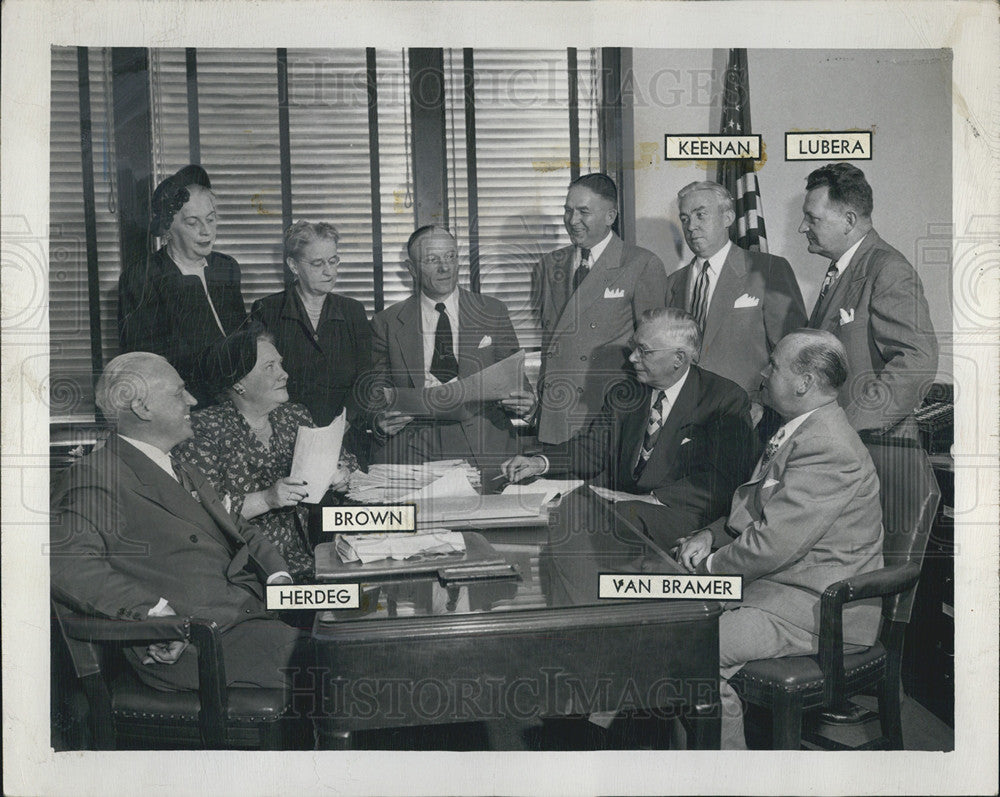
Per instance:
(440,334)
(676,434)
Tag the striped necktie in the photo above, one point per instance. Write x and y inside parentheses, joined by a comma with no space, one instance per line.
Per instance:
(652,432)
(583,269)
(699,301)
(772,447)
(831,277)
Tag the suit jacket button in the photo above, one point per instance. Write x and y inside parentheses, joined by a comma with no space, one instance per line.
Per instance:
(579,391)
(593,325)
(246,611)
(583,358)
(193,538)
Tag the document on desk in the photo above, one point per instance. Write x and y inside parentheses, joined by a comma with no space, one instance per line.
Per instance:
(317,455)
(482,511)
(447,401)
(617,496)
(452,485)
(550,488)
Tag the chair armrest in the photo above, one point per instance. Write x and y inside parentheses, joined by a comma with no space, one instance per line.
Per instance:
(878,583)
(155,629)
(204,634)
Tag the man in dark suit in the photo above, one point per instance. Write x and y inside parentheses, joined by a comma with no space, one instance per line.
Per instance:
(809,516)
(745,302)
(679,434)
(591,294)
(873,301)
(440,334)
(135,536)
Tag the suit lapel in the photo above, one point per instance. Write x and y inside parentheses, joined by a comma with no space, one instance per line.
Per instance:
(828,313)
(470,333)
(560,279)
(681,412)
(732,280)
(633,432)
(603,275)
(409,340)
(679,289)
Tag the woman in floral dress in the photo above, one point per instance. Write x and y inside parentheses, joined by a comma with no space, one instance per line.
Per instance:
(244,445)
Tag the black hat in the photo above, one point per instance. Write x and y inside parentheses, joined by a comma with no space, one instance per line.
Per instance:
(228,360)
(172,194)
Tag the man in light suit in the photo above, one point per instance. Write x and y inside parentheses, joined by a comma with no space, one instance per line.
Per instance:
(136,535)
(591,294)
(873,301)
(745,302)
(809,517)
(678,433)
(440,334)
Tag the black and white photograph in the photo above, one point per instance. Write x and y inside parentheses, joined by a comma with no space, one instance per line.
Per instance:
(470,398)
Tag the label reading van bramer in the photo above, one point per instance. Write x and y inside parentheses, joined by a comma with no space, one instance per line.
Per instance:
(711,146)
(845,146)
(369,519)
(313,596)
(668,585)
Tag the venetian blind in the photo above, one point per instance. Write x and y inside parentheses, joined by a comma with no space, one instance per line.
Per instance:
(71,381)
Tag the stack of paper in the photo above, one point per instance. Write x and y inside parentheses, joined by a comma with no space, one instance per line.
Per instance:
(384,484)
(617,496)
(482,511)
(367,548)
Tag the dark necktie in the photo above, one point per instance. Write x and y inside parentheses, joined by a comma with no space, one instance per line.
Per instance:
(444,366)
(652,433)
(699,301)
(831,277)
(583,269)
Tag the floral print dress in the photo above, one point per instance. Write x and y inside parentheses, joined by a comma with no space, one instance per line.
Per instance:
(234,459)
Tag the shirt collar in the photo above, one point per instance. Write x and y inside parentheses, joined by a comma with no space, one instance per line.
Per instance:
(450,304)
(671,393)
(716,261)
(294,308)
(598,249)
(790,426)
(845,259)
(159,457)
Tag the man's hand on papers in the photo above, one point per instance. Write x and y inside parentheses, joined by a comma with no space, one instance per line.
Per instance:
(519,467)
(520,402)
(694,549)
(285,492)
(388,423)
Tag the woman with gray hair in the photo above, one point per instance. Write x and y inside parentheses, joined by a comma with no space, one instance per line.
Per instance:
(185,296)
(324,337)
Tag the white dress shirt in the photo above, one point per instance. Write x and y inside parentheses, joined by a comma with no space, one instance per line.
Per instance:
(429,320)
(595,252)
(845,259)
(715,264)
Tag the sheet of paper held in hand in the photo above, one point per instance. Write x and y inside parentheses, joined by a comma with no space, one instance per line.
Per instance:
(616,496)
(447,402)
(317,455)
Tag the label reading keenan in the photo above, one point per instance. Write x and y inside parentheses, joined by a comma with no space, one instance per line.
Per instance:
(665,585)
(369,519)
(313,596)
(713,147)
(824,146)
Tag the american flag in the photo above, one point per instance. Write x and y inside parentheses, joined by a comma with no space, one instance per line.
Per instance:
(739,176)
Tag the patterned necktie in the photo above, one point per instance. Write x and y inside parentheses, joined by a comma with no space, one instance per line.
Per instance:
(652,432)
(699,301)
(772,447)
(444,366)
(831,277)
(583,269)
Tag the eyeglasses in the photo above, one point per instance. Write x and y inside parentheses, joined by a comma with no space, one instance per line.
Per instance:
(645,351)
(435,260)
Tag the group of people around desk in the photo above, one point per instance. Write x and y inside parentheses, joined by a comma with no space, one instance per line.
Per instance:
(710,393)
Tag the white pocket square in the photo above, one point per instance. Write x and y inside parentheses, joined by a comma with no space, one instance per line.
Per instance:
(685,441)
(846,316)
(486,341)
(769,483)
(746,300)
(614,293)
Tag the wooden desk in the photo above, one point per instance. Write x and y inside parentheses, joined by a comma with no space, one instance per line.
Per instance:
(419,654)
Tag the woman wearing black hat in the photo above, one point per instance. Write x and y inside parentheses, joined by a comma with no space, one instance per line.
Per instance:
(186,296)
(244,444)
